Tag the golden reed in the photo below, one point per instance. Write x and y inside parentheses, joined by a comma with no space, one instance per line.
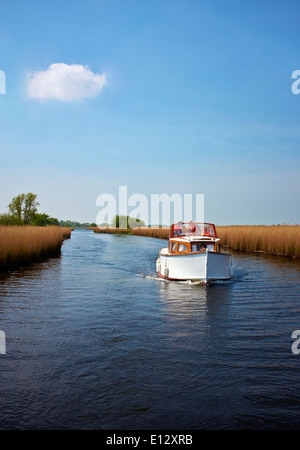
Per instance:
(280,240)
(25,244)
(158,233)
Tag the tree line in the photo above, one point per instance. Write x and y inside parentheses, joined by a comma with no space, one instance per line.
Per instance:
(23,210)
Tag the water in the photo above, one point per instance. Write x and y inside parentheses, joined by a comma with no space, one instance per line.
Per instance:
(95,341)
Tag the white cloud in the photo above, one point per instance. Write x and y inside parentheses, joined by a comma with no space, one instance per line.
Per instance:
(65,82)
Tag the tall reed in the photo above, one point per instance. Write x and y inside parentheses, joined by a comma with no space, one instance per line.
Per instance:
(25,244)
(281,240)
(158,233)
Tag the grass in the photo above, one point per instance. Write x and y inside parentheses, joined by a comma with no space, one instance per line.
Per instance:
(20,245)
(280,240)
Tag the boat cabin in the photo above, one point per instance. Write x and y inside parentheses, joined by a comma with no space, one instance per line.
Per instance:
(193,229)
(193,238)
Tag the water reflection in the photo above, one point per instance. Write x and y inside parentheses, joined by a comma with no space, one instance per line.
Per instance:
(20,288)
(32,271)
(188,299)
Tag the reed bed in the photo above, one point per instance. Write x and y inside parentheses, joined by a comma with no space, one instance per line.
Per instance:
(108,230)
(280,240)
(20,245)
(158,233)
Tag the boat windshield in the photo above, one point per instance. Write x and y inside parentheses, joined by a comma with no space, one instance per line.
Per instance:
(201,246)
(193,229)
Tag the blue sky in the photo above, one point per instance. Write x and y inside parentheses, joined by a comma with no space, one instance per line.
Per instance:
(197,100)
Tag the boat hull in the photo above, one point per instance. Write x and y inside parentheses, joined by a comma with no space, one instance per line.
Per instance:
(202,267)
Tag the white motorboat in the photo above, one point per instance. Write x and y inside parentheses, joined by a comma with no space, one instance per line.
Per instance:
(194,253)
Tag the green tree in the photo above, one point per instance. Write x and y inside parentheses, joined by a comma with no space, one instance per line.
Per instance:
(30,208)
(53,221)
(135,223)
(24,206)
(43,220)
(40,220)
(16,206)
(126,222)
(10,219)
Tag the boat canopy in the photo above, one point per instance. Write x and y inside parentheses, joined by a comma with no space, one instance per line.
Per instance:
(193,229)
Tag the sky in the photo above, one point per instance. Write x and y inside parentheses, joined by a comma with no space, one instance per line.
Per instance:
(168,96)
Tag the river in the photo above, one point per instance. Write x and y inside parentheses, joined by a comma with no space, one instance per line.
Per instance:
(94,340)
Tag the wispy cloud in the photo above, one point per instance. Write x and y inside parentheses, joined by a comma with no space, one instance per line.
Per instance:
(65,82)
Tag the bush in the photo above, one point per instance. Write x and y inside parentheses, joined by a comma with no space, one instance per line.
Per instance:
(10,219)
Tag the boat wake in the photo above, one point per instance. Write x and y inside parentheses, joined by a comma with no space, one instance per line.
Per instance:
(185,282)
(238,276)
(153,277)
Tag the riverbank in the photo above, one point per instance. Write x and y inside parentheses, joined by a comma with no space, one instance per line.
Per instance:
(157,233)
(279,240)
(22,245)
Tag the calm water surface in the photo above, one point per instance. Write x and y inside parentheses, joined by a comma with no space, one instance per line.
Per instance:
(95,341)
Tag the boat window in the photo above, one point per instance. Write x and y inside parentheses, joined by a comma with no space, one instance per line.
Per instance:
(194,229)
(210,247)
(199,247)
(182,248)
(174,246)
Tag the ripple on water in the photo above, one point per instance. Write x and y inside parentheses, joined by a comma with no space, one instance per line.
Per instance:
(96,340)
